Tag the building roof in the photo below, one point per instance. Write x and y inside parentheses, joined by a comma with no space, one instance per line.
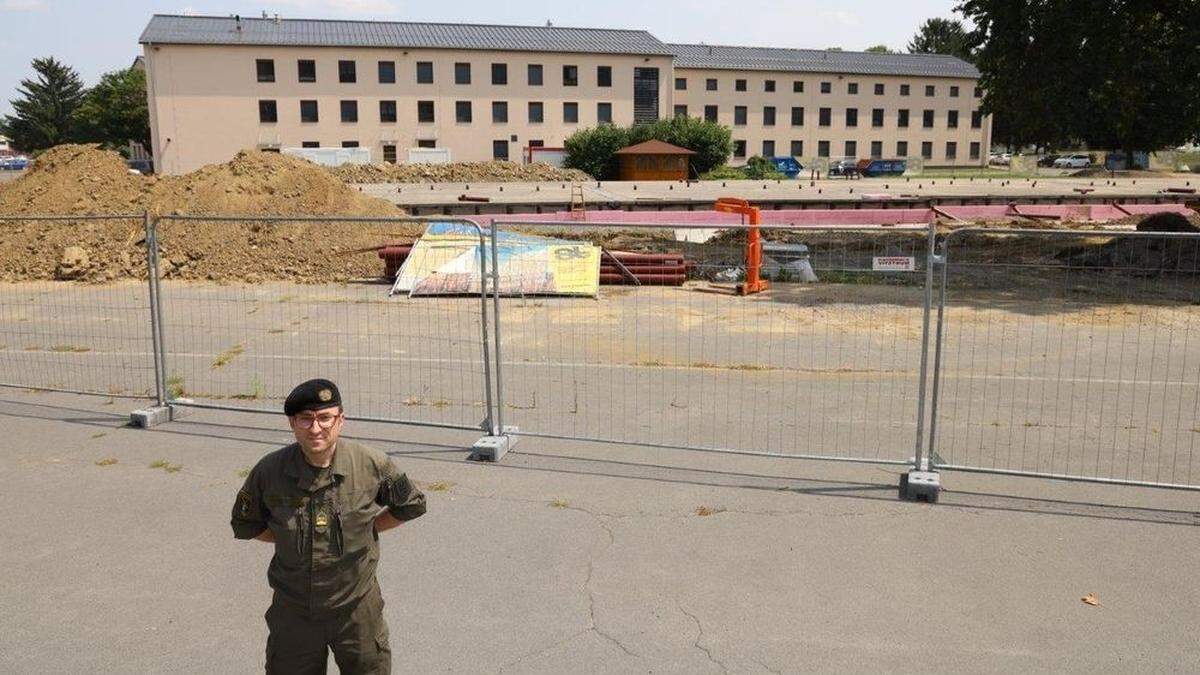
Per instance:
(820,61)
(654,147)
(213,30)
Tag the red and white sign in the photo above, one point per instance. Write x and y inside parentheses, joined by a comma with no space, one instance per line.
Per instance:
(893,263)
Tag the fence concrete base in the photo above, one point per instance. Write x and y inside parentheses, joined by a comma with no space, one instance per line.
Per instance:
(494,448)
(152,416)
(920,485)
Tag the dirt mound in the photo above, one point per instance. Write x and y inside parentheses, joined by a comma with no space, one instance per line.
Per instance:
(459,172)
(80,180)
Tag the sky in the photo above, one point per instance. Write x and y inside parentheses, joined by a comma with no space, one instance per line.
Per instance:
(95,37)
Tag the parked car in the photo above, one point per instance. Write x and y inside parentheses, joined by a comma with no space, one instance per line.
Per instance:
(1076,161)
(1047,160)
(14,163)
(1000,158)
(844,167)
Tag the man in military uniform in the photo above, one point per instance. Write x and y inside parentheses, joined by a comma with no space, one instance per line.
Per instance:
(323,502)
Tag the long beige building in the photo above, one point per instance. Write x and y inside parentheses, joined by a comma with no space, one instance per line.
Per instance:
(217,85)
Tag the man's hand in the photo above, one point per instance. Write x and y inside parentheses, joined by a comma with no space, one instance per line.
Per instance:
(386,521)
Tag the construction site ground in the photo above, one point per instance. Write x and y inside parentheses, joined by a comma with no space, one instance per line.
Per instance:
(574,557)
(644,194)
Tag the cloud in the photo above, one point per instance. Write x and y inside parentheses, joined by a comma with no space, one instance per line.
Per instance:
(21,5)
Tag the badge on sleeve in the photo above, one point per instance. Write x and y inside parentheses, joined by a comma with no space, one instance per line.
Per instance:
(322,520)
(244,502)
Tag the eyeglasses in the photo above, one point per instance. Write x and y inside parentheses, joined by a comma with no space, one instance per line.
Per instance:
(324,421)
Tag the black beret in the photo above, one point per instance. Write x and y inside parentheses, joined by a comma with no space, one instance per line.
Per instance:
(312,395)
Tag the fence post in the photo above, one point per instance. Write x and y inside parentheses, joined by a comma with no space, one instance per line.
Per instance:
(943,260)
(160,412)
(489,421)
(921,481)
(492,448)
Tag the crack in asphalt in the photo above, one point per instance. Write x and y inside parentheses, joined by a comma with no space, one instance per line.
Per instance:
(700,636)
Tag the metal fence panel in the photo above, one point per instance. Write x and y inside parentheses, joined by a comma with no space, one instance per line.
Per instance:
(75,306)
(825,370)
(1070,354)
(310,300)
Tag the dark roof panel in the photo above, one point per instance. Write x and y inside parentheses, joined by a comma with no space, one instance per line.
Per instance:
(820,61)
(213,30)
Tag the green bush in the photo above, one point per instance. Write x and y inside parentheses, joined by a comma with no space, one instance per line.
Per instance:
(758,168)
(592,150)
(724,172)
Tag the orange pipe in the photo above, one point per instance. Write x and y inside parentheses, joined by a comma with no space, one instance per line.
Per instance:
(753,283)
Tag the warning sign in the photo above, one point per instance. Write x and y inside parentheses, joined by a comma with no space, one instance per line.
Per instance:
(893,263)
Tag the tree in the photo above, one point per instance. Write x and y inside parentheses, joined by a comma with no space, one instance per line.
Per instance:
(941,36)
(879,49)
(114,111)
(592,150)
(44,112)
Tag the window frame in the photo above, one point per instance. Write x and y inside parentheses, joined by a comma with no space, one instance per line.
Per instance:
(347,71)
(260,75)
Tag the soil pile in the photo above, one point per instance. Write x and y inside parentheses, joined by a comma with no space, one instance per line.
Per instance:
(80,180)
(459,172)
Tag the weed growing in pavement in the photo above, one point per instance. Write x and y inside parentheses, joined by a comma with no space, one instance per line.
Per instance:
(228,355)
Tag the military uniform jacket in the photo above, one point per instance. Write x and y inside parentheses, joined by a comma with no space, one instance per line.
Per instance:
(326,546)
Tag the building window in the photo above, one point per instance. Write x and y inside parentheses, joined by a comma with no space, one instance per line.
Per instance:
(953,91)
(852,88)
(978,92)
(387,72)
(851,149)
(499,73)
(822,148)
(823,116)
(797,116)
(876,149)
(499,112)
(603,76)
(851,117)
(769,85)
(739,148)
(797,148)
(927,119)
(306,70)
(427,144)
(308,111)
(768,116)
(681,84)
(424,72)
(349,111)
(902,118)
(930,90)
(739,115)
(902,148)
(879,89)
(974,150)
(739,85)
(680,110)
(710,84)
(570,76)
(425,111)
(798,86)
(389,154)
(310,144)
(951,119)
(265,69)
(349,144)
(904,89)
(976,119)
(534,73)
(500,151)
(537,112)
(346,72)
(462,73)
(387,111)
(877,117)
(267,112)
(570,112)
(768,149)
(462,112)
(927,149)
(710,113)
(826,88)
(951,150)
(604,113)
